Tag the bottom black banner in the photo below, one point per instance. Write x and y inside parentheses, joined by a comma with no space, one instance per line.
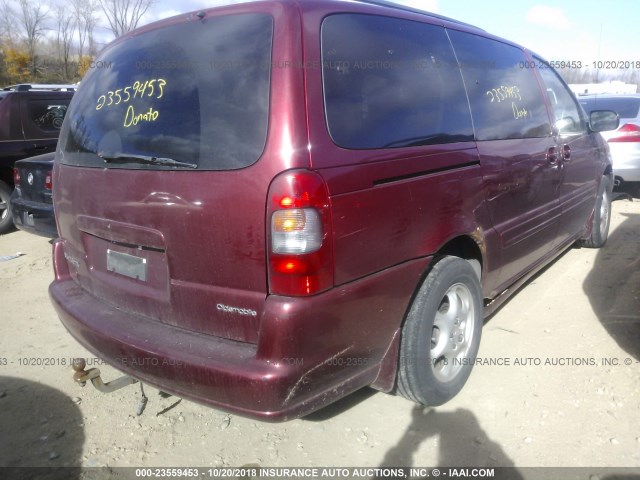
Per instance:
(304,473)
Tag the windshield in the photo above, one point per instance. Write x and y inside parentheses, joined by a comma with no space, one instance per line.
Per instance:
(195,92)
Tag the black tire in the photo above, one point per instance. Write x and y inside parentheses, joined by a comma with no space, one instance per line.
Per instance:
(422,373)
(601,216)
(6,219)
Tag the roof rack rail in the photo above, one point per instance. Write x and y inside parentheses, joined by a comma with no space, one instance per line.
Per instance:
(25,87)
(399,6)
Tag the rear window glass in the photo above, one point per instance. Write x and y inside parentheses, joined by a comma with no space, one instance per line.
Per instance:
(624,107)
(506,100)
(195,92)
(391,83)
(47,114)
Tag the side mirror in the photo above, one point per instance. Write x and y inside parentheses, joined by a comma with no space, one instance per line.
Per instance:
(603,120)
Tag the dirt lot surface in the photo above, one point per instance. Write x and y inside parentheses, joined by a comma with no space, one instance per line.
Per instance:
(567,391)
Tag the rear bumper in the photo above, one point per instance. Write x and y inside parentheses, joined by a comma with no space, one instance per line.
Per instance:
(310,352)
(626,160)
(33,217)
(628,174)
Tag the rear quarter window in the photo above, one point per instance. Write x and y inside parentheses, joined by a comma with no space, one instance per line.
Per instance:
(391,83)
(505,97)
(195,92)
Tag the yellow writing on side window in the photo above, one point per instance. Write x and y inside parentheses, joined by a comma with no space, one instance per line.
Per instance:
(149,88)
(518,112)
(502,93)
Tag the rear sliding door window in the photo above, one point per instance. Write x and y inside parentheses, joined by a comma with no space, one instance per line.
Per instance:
(391,83)
(506,100)
(195,92)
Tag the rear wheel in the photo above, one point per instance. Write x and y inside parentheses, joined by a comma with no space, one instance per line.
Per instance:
(601,217)
(6,220)
(441,335)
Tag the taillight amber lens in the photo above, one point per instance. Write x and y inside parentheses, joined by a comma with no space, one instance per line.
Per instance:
(296,231)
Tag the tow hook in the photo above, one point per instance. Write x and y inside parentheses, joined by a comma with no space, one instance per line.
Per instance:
(81,376)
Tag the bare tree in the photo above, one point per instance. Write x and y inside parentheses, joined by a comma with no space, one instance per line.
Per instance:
(90,22)
(5,40)
(7,22)
(84,13)
(66,26)
(32,17)
(78,8)
(124,15)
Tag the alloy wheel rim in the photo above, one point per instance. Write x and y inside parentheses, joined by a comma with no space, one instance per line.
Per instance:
(452,333)
(604,213)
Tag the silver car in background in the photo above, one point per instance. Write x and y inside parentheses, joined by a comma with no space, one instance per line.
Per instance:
(623,142)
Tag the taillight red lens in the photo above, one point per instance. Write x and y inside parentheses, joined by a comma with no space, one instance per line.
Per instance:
(629,132)
(16,177)
(299,234)
(48,182)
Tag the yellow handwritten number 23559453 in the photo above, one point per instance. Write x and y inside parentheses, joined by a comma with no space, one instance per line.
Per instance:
(150,88)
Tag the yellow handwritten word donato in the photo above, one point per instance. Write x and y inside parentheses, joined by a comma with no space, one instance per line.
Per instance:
(132,119)
(518,113)
(502,93)
(148,88)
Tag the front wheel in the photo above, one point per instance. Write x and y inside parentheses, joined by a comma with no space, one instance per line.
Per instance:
(601,217)
(441,335)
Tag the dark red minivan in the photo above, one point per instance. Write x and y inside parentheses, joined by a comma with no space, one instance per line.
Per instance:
(267,206)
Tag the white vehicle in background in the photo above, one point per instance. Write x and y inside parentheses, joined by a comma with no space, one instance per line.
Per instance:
(623,142)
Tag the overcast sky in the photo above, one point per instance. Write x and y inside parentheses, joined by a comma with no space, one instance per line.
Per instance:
(557,30)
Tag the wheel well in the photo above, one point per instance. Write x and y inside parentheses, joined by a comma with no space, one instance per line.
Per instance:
(608,170)
(463,247)
(6,176)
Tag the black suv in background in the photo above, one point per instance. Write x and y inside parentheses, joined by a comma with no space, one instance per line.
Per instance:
(31,201)
(30,119)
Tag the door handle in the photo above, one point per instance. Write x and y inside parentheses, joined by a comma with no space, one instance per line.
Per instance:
(552,155)
(566,152)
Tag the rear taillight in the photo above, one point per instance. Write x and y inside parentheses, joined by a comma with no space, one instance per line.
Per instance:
(16,177)
(629,132)
(299,223)
(48,183)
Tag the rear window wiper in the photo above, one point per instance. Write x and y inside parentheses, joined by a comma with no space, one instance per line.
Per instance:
(131,158)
